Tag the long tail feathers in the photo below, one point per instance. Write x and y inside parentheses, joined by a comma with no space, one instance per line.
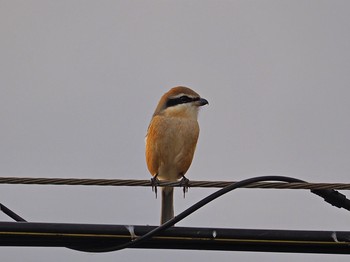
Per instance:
(167,211)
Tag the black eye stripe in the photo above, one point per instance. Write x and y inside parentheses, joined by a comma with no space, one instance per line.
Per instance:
(180,100)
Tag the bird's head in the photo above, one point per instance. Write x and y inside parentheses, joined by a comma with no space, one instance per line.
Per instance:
(180,101)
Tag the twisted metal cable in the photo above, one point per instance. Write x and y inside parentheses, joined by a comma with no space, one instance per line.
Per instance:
(147,183)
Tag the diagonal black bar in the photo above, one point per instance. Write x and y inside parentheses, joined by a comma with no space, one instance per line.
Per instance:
(92,236)
(11,214)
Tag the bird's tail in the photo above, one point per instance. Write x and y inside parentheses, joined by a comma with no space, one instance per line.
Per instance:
(167,211)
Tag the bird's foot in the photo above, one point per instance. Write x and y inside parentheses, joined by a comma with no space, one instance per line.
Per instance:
(154,184)
(185,184)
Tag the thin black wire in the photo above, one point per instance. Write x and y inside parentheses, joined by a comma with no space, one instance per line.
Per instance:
(11,214)
(192,209)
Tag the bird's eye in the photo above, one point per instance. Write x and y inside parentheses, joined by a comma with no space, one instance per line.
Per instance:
(185,99)
(178,100)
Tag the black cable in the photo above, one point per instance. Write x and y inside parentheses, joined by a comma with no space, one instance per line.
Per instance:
(331,196)
(11,214)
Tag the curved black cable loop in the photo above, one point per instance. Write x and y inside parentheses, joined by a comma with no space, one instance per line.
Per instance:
(190,210)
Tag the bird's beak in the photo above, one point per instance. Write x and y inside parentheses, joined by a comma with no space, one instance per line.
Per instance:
(202,102)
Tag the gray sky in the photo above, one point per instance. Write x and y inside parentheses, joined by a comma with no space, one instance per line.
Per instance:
(79,81)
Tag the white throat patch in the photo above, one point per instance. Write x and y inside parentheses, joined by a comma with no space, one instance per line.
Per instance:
(188,110)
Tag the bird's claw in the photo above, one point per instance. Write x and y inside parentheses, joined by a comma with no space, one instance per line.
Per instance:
(185,185)
(155,183)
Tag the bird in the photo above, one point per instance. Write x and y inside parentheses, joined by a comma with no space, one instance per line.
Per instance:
(171,141)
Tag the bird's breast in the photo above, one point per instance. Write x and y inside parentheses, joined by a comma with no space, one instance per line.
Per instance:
(170,146)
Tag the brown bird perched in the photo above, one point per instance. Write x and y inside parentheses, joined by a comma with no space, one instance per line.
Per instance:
(171,140)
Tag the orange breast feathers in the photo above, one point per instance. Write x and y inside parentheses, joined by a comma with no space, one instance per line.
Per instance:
(170,146)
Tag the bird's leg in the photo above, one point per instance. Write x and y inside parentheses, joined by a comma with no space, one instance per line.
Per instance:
(184,183)
(155,183)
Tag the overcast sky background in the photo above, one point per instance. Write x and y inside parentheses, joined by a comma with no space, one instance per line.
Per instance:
(79,81)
